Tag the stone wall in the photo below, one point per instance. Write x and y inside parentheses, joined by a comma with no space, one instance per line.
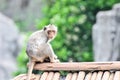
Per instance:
(106,35)
(9,47)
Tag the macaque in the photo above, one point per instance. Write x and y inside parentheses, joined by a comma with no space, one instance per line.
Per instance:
(39,47)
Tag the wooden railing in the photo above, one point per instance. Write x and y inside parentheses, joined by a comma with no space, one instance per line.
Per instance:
(76,66)
(76,71)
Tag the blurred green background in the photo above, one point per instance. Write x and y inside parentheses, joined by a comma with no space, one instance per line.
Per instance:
(74,19)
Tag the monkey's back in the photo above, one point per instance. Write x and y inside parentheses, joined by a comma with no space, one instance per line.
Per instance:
(36,43)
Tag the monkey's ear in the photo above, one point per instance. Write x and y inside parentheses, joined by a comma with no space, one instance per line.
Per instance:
(45,28)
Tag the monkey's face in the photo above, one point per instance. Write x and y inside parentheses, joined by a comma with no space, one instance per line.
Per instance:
(51,31)
(51,34)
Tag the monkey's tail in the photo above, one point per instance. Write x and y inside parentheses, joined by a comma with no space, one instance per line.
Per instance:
(30,69)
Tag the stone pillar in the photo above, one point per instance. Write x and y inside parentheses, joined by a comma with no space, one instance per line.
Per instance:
(106,35)
(25,12)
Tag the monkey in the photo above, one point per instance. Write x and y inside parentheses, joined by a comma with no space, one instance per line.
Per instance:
(39,47)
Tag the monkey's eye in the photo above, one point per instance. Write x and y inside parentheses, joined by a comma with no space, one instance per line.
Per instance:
(51,31)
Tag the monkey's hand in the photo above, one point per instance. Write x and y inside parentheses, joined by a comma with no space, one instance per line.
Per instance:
(57,60)
(55,57)
(54,60)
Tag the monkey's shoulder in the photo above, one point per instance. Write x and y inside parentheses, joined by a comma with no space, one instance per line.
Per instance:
(37,37)
(37,34)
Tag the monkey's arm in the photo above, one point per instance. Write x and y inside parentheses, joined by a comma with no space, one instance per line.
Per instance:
(51,54)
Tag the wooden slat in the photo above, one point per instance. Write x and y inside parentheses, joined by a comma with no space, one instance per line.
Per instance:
(111,76)
(99,75)
(117,75)
(81,75)
(24,77)
(50,76)
(44,76)
(19,77)
(56,76)
(94,75)
(88,76)
(78,66)
(74,76)
(69,76)
(106,75)
(37,77)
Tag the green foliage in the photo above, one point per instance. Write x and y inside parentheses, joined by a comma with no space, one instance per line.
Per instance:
(74,19)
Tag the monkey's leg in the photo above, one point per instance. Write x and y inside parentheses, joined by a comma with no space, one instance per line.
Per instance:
(41,59)
(30,69)
(53,57)
(49,51)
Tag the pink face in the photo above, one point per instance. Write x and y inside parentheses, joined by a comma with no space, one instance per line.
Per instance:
(51,34)
(51,31)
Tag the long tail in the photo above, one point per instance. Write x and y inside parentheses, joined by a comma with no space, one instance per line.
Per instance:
(30,69)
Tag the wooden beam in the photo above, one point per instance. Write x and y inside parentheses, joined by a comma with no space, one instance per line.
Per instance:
(76,66)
